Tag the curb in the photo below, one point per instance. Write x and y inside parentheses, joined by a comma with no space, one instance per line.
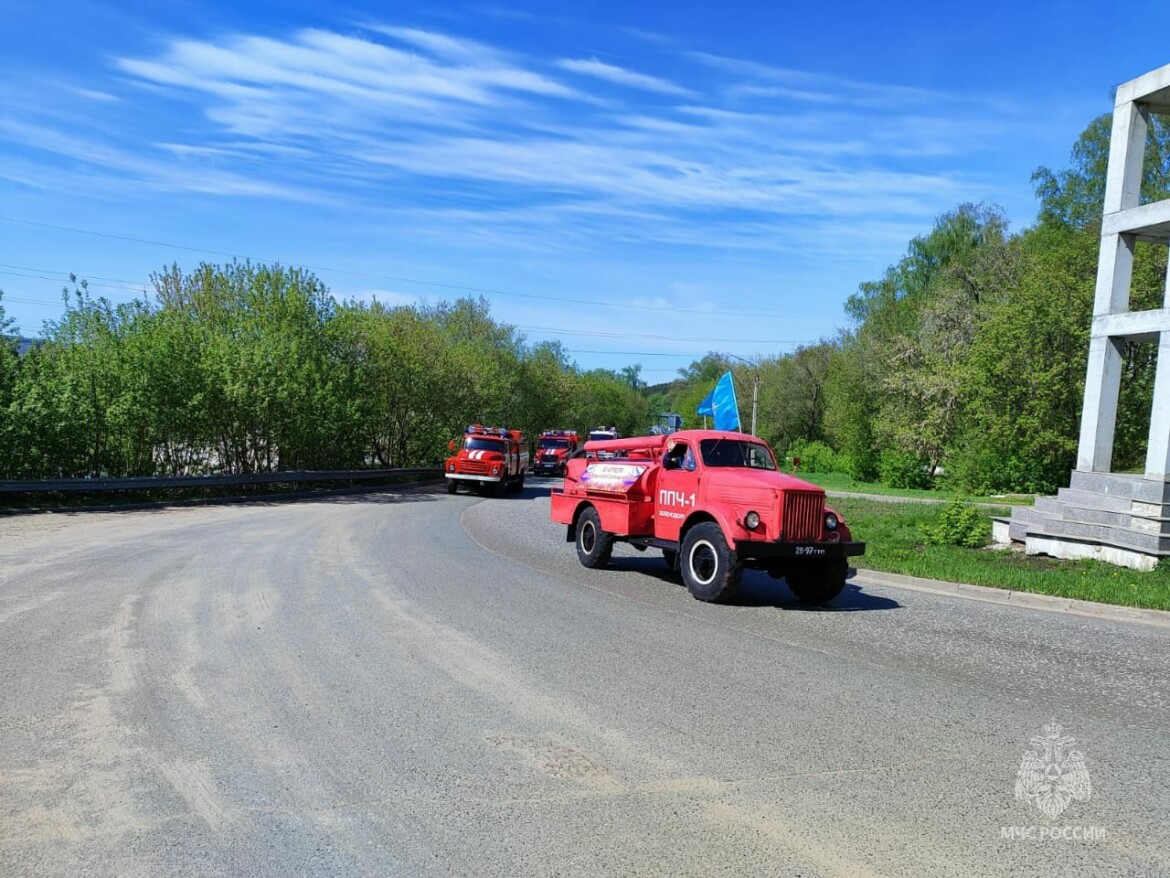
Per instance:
(1024,599)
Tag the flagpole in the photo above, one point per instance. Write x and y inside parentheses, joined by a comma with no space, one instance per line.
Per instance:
(755,387)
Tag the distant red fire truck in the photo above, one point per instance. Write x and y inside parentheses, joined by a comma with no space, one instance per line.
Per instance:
(491,459)
(553,451)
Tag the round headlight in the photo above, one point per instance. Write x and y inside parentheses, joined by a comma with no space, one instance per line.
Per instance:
(751,520)
(451,467)
(495,470)
(830,521)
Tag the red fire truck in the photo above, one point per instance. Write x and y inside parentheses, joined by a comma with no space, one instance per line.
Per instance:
(553,450)
(488,458)
(713,502)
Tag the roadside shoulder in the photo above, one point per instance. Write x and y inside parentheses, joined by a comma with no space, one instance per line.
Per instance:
(1024,599)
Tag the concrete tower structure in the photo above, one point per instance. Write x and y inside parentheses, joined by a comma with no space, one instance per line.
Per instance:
(1123,518)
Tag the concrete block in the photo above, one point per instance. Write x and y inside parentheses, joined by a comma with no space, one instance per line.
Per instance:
(1075,549)
(1001,531)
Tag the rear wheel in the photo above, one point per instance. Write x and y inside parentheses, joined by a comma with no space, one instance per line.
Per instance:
(452,486)
(817,583)
(710,569)
(594,545)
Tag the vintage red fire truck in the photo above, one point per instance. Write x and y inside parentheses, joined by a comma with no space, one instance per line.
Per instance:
(553,450)
(713,502)
(487,459)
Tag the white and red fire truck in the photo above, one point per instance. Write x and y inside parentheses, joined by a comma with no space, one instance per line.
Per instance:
(553,451)
(487,459)
(713,502)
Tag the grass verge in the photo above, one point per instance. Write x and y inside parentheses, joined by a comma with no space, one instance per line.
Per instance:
(895,538)
(845,482)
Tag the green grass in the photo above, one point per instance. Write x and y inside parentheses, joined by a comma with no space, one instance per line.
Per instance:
(895,543)
(845,482)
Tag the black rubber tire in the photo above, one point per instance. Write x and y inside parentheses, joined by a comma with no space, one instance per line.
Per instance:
(670,556)
(817,583)
(520,482)
(500,488)
(594,545)
(710,569)
(452,486)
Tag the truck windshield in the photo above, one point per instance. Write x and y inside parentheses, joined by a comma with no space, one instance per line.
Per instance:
(475,443)
(729,452)
(554,443)
(602,436)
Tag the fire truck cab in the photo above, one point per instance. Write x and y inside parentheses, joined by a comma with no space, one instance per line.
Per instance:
(553,451)
(713,502)
(487,459)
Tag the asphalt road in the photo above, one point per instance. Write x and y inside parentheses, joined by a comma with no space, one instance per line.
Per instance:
(416,684)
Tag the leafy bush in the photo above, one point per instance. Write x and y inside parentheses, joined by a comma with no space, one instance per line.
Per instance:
(861,466)
(900,470)
(960,524)
(986,468)
(815,457)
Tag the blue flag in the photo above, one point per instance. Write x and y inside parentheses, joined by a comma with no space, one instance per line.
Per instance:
(720,404)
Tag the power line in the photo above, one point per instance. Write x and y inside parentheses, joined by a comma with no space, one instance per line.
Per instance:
(133,284)
(552,330)
(487,291)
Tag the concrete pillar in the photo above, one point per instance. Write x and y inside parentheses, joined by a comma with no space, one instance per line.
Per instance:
(1099,415)
(1158,444)
(1114,275)
(1127,152)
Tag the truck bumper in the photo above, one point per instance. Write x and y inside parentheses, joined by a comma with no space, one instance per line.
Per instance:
(461,477)
(759,550)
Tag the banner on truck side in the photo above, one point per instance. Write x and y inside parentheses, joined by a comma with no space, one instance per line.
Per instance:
(616,477)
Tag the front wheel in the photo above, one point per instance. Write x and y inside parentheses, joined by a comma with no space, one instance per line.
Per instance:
(710,569)
(452,486)
(818,583)
(594,545)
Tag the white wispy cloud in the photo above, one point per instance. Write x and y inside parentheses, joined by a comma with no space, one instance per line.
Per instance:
(622,76)
(521,150)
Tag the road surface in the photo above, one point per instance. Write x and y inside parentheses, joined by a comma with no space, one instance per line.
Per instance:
(421,685)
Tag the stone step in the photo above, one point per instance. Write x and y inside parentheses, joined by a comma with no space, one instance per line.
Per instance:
(1053,505)
(1095,515)
(1092,500)
(1130,486)
(1021,519)
(1155,544)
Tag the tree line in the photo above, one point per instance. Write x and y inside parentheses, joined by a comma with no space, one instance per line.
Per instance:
(966,357)
(244,368)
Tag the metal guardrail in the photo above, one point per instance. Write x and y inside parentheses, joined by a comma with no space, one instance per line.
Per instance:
(155,483)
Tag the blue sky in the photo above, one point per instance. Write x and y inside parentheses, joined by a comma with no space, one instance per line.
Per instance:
(653,180)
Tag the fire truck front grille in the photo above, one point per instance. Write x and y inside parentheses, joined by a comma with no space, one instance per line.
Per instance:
(804,513)
(548,458)
(476,467)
